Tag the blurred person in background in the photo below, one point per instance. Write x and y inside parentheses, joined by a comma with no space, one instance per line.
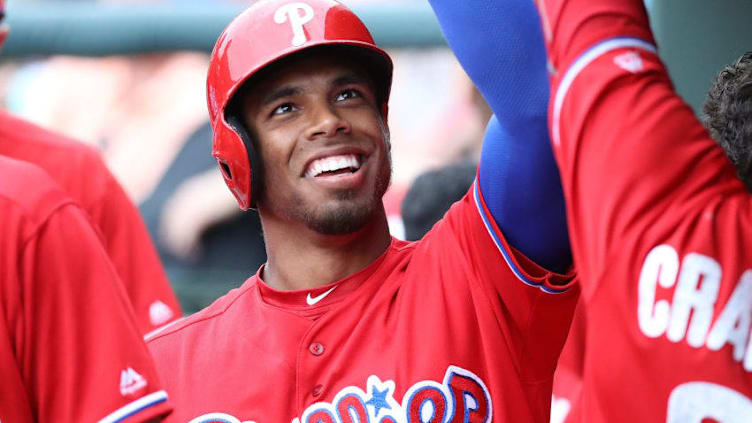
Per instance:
(432,193)
(80,170)
(205,242)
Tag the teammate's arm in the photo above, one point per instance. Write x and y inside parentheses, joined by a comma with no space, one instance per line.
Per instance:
(500,46)
(638,169)
(133,254)
(86,360)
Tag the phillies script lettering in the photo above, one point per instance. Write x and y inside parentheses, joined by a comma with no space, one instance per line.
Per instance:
(461,397)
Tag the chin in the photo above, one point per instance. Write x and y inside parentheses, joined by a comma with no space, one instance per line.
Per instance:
(348,213)
(342,217)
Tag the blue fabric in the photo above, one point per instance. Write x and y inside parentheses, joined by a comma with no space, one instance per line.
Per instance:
(500,46)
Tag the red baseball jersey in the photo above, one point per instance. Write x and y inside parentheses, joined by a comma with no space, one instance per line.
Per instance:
(456,327)
(80,170)
(660,226)
(70,350)
(568,375)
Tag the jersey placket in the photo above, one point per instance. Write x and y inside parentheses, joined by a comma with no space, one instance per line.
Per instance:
(313,350)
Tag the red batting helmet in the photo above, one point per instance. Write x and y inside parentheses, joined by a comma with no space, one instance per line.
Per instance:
(263,34)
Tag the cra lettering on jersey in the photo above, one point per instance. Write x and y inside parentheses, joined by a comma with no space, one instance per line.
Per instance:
(690,316)
(461,397)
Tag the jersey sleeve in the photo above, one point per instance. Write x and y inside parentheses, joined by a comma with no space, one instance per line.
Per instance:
(646,186)
(83,357)
(532,305)
(132,251)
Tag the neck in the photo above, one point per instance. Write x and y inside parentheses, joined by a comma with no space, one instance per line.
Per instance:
(300,258)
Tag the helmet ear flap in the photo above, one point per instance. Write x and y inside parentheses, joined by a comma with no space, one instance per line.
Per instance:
(233,158)
(254,159)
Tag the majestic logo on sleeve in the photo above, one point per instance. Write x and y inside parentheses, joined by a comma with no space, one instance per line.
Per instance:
(291,12)
(131,382)
(462,397)
(630,62)
(159,313)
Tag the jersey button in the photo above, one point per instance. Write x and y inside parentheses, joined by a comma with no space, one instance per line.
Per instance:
(317,390)
(316,348)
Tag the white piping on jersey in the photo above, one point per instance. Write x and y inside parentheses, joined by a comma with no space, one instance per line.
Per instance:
(162,328)
(136,406)
(585,59)
(504,253)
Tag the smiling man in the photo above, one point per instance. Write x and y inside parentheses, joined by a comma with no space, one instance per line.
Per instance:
(345,323)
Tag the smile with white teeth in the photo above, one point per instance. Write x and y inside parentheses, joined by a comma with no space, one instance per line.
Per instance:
(333,165)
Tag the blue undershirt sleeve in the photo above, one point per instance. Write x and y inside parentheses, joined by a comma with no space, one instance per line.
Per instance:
(500,46)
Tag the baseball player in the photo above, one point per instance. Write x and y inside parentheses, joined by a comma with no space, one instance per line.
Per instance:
(659,224)
(344,323)
(81,172)
(70,350)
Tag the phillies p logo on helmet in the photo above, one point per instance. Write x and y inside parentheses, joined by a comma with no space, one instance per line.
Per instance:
(289,12)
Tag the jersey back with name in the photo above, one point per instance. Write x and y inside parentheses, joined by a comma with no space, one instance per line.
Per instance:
(660,227)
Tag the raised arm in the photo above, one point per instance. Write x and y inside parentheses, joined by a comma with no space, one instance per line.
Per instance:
(660,225)
(500,46)
(638,168)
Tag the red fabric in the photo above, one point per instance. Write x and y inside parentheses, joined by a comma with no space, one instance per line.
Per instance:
(84,176)
(67,330)
(425,322)
(567,386)
(660,228)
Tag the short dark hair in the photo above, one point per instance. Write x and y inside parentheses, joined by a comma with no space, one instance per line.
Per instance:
(432,193)
(727,113)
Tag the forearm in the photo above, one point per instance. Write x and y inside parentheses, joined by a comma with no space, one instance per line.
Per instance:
(500,46)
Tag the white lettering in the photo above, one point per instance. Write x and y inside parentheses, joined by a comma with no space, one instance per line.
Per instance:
(748,356)
(733,324)
(695,294)
(696,402)
(661,266)
(290,12)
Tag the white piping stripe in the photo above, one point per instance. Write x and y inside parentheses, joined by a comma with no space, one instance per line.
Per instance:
(517,272)
(162,328)
(585,59)
(137,405)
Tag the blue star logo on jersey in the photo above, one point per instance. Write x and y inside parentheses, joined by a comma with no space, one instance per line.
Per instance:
(378,400)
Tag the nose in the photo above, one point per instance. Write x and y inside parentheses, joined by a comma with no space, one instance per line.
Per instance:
(326,121)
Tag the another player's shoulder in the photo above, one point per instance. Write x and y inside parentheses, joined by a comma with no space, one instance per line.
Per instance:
(201,323)
(27,190)
(50,150)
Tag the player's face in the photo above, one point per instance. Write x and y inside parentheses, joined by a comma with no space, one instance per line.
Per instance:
(323,143)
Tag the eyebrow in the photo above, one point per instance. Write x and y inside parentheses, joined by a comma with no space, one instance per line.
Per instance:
(280,93)
(349,78)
